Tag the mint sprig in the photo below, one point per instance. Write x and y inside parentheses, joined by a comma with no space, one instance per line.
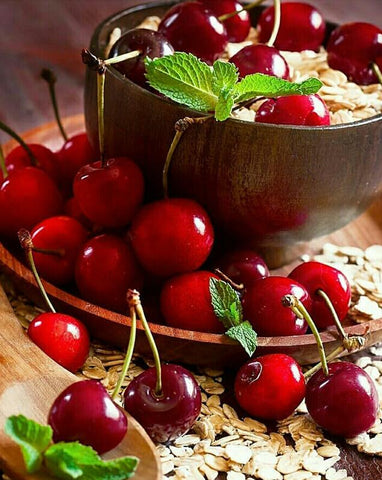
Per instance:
(184,78)
(227,307)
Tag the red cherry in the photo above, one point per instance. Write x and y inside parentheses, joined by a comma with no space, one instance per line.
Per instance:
(72,209)
(262,306)
(171,236)
(65,235)
(345,402)
(352,48)
(62,337)
(260,59)
(109,195)
(317,276)
(170,415)
(270,387)
(84,412)
(302,27)
(190,27)
(185,302)
(105,269)
(294,110)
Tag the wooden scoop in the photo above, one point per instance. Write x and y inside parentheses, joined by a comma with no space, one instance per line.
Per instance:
(29,383)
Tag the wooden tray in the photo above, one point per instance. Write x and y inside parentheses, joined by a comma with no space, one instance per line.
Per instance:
(182,345)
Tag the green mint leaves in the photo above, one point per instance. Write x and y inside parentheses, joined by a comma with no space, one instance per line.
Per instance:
(184,78)
(64,460)
(227,307)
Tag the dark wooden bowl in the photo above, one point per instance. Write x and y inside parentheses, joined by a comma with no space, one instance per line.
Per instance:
(269,186)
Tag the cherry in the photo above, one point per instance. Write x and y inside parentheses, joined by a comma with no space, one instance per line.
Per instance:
(185,302)
(317,278)
(344,402)
(270,386)
(72,209)
(109,194)
(171,236)
(151,44)
(262,306)
(191,27)
(237,26)
(302,27)
(352,48)
(171,414)
(261,59)
(294,110)
(243,266)
(64,236)
(105,269)
(84,412)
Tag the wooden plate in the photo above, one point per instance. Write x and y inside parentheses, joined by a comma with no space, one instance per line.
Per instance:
(182,345)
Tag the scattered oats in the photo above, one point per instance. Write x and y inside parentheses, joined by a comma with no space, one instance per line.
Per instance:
(224,440)
(186,440)
(213,372)
(314,463)
(229,412)
(268,473)
(289,462)
(333,474)
(255,425)
(299,475)
(363,362)
(213,401)
(372,445)
(209,472)
(219,464)
(328,451)
(235,476)
(238,453)
(151,23)
(167,467)
(374,253)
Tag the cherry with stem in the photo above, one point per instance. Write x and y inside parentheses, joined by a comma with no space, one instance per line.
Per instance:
(19,140)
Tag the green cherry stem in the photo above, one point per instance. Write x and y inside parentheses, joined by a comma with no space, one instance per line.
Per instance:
(101,119)
(251,5)
(123,57)
(18,139)
(27,245)
(51,79)
(3,167)
(377,72)
(276,23)
(330,357)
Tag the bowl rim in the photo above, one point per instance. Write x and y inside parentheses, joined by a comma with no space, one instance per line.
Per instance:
(148,94)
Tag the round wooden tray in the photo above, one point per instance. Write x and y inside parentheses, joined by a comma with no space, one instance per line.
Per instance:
(182,345)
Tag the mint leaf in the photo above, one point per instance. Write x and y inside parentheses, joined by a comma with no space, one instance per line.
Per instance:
(225,302)
(183,78)
(224,77)
(258,84)
(118,469)
(224,106)
(32,438)
(245,335)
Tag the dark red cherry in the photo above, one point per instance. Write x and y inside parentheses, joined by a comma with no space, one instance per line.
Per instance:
(315,277)
(237,26)
(345,402)
(191,27)
(151,44)
(309,110)
(185,302)
(62,337)
(72,209)
(243,266)
(105,269)
(263,308)
(84,412)
(270,387)
(170,415)
(302,27)
(64,235)
(352,48)
(171,236)
(109,195)
(260,59)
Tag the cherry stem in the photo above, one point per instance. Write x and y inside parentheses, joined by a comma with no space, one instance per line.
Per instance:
(27,245)
(226,16)
(236,286)
(123,57)
(377,72)
(276,23)
(131,344)
(3,167)
(101,119)
(332,356)
(14,135)
(51,79)
(299,309)
(180,127)
(48,251)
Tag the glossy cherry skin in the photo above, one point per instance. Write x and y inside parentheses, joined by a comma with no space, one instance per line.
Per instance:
(243,266)
(318,276)
(352,48)
(302,27)
(85,412)
(171,236)
(270,387)
(262,306)
(173,413)
(261,59)
(151,44)
(185,302)
(105,269)
(109,195)
(345,402)
(238,26)
(58,233)
(191,27)
(62,337)
(309,110)
(27,196)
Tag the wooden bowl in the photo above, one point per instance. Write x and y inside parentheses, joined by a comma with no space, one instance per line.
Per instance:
(268,186)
